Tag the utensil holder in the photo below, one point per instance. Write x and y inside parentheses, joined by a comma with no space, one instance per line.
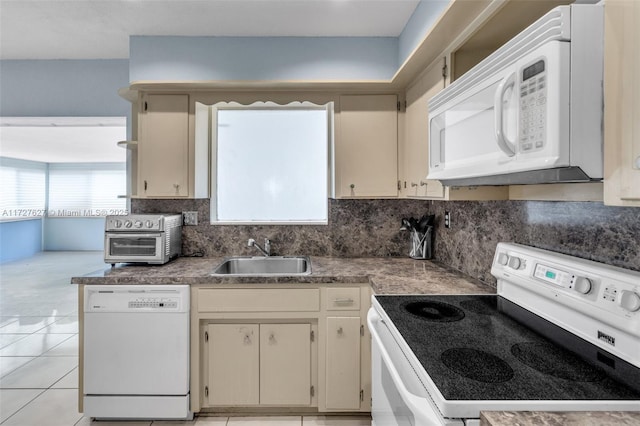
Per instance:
(421,246)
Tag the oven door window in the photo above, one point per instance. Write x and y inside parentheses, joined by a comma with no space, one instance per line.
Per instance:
(133,246)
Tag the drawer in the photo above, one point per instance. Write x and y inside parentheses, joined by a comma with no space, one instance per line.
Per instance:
(343,299)
(258,300)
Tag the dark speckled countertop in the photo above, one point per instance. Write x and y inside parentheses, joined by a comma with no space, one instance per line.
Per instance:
(387,275)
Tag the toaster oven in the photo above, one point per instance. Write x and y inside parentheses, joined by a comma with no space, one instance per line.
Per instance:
(142,238)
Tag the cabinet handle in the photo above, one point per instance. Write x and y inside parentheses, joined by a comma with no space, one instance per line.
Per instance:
(348,301)
(247,339)
(272,339)
(413,184)
(423,183)
(177,187)
(340,331)
(145,185)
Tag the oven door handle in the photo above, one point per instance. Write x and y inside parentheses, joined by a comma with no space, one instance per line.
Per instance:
(420,407)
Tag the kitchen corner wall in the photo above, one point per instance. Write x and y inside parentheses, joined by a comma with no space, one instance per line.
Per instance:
(371,228)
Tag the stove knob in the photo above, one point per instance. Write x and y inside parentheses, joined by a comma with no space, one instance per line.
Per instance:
(503,258)
(582,285)
(138,224)
(514,262)
(149,224)
(629,301)
(117,223)
(127,224)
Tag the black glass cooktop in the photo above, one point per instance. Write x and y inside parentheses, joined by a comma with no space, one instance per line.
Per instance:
(488,348)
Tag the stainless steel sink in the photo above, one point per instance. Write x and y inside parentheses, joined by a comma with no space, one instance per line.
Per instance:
(267,266)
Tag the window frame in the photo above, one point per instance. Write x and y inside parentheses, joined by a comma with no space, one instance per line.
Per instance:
(269,105)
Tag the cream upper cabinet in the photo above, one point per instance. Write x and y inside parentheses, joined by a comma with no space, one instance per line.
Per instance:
(622,103)
(416,136)
(163,146)
(366,148)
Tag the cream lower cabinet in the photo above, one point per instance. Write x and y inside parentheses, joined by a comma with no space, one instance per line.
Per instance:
(343,391)
(258,364)
(262,349)
(234,364)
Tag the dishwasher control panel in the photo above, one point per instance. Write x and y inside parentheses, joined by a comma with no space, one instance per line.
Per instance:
(153,302)
(136,298)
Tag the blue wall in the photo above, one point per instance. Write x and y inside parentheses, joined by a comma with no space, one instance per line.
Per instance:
(280,58)
(81,88)
(74,233)
(423,17)
(20,239)
(262,58)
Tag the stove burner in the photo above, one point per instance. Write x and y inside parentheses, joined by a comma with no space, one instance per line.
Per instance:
(435,311)
(477,365)
(549,359)
(484,306)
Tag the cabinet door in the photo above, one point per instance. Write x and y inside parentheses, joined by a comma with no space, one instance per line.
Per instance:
(163,147)
(622,103)
(416,161)
(285,364)
(343,363)
(367,147)
(234,351)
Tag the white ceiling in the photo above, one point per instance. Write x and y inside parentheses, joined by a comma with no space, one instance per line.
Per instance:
(100,29)
(63,139)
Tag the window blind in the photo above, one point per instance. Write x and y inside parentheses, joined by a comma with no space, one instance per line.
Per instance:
(86,189)
(23,188)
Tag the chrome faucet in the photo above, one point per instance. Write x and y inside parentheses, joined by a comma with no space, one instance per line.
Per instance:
(266,251)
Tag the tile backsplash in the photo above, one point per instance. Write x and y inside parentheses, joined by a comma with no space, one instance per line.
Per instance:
(372,228)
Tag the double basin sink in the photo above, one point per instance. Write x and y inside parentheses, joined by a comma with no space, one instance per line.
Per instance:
(264,266)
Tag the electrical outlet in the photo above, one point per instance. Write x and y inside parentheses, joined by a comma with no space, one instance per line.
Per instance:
(447,219)
(190,218)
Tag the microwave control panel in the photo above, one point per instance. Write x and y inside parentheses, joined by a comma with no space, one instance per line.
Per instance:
(533,102)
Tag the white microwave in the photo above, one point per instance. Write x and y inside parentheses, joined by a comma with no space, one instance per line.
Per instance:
(531,112)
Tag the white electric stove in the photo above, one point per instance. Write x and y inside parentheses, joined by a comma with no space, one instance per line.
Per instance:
(562,334)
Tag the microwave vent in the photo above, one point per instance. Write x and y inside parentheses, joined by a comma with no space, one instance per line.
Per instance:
(555,25)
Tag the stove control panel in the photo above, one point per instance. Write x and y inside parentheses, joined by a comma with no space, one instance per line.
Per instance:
(570,280)
(583,284)
(598,302)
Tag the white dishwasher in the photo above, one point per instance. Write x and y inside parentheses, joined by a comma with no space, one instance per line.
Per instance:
(136,352)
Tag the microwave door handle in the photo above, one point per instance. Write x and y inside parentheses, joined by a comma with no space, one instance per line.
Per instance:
(505,145)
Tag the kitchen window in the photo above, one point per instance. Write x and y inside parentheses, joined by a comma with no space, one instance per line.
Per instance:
(271,163)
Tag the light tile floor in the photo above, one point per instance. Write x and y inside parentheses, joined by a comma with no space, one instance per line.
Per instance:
(39,349)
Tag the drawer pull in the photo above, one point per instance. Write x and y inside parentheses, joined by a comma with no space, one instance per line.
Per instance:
(343,302)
